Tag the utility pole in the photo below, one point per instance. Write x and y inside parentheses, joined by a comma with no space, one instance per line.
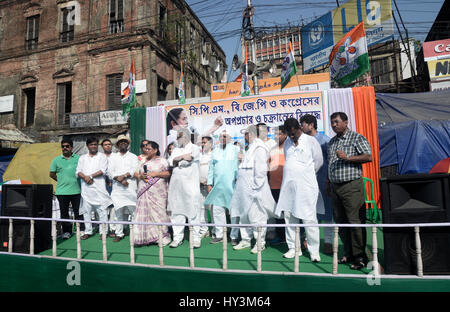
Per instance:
(248,13)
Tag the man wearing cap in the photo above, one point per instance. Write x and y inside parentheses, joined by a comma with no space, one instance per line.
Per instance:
(121,169)
(90,169)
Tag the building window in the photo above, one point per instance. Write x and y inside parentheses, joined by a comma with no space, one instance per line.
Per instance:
(67,31)
(276,42)
(192,34)
(283,40)
(296,38)
(162,89)
(193,90)
(64,102)
(30,103)
(179,36)
(269,43)
(264,44)
(113,95)
(162,21)
(32,32)
(116,14)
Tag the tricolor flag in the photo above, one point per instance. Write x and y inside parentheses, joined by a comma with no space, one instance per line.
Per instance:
(181,94)
(349,58)
(129,93)
(289,67)
(245,88)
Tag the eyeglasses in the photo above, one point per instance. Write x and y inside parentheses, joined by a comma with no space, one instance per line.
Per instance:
(65,146)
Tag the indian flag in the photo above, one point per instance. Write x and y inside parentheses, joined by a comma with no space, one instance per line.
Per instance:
(245,88)
(349,58)
(129,93)
(289,67)
(181,94)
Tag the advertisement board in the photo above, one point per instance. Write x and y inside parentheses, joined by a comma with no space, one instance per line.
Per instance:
(439,69)
(319,36)
(434,50)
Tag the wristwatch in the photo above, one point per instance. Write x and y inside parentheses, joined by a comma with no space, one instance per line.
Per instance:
(90,177)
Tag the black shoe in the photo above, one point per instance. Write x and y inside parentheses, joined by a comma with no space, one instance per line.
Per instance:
(345,260)
(359,263)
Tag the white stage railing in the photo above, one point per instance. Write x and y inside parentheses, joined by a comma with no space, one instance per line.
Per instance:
(103,225)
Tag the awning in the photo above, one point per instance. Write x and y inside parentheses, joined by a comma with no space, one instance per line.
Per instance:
(12,137)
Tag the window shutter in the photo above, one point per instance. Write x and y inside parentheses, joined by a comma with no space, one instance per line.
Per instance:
(117,95)
(112,10)
(110,86)
(119,10)
(61,103)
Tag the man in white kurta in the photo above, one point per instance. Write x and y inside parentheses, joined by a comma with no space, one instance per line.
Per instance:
(91,169)
(122,166)
(252,200)
(184,188)
(205,159)
(299,189)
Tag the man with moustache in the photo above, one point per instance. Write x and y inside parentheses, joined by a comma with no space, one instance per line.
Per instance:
(107,150)
(299,189)
(121,169)
(347,151)
(62,170)
(91,170)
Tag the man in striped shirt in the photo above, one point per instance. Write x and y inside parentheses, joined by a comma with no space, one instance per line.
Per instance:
(347,151)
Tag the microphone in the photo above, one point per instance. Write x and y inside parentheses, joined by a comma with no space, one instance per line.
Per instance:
(145,171)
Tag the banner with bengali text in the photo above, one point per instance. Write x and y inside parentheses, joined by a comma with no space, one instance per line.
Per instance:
(239,113)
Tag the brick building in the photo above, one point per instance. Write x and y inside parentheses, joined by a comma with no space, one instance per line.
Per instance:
(63,63)
(274,45)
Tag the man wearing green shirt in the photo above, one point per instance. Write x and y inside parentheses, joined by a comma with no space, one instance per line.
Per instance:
(62,170)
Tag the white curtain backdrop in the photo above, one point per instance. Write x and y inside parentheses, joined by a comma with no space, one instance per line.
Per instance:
(340,100)
(155,126)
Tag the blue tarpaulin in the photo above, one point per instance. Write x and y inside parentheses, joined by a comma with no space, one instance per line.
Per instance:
(4,162)
(415,146)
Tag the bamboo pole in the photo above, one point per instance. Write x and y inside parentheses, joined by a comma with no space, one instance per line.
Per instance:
(419,252)
(224,254)
(191,247)
(31,237)
(132,258)
(78,241)
(335,250)
(258,246)
(54,238)
(10,235)
(105,252)
(375,251)
(297,249)
(160,245)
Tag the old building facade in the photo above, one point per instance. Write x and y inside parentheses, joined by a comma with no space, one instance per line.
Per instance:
(65,62)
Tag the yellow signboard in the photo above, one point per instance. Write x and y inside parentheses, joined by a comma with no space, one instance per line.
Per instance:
(377,17)
(439,68)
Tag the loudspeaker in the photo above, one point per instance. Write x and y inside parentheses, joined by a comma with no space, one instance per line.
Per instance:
(26,200)
(416,198)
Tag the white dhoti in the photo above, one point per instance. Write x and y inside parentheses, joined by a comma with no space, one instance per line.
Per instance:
(256,215)
(312,234)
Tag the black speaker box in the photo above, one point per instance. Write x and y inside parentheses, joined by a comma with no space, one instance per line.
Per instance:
(26,200)
(416,198)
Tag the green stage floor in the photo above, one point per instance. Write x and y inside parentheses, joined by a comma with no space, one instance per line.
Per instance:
(210,255)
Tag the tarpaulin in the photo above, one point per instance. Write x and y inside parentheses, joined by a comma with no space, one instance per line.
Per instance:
(32,163)
(416,146)
(402,107)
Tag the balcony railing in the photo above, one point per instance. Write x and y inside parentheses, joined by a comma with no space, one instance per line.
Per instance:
(296,264)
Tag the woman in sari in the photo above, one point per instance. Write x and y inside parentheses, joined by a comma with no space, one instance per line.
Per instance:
(152,198)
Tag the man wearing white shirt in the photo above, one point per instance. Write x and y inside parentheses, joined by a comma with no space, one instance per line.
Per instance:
(91,169)
(252,200)
(122,166)
(205,158)
(299,189)
(184,188)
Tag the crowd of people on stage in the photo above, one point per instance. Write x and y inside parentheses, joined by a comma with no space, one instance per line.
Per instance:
(299,176)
